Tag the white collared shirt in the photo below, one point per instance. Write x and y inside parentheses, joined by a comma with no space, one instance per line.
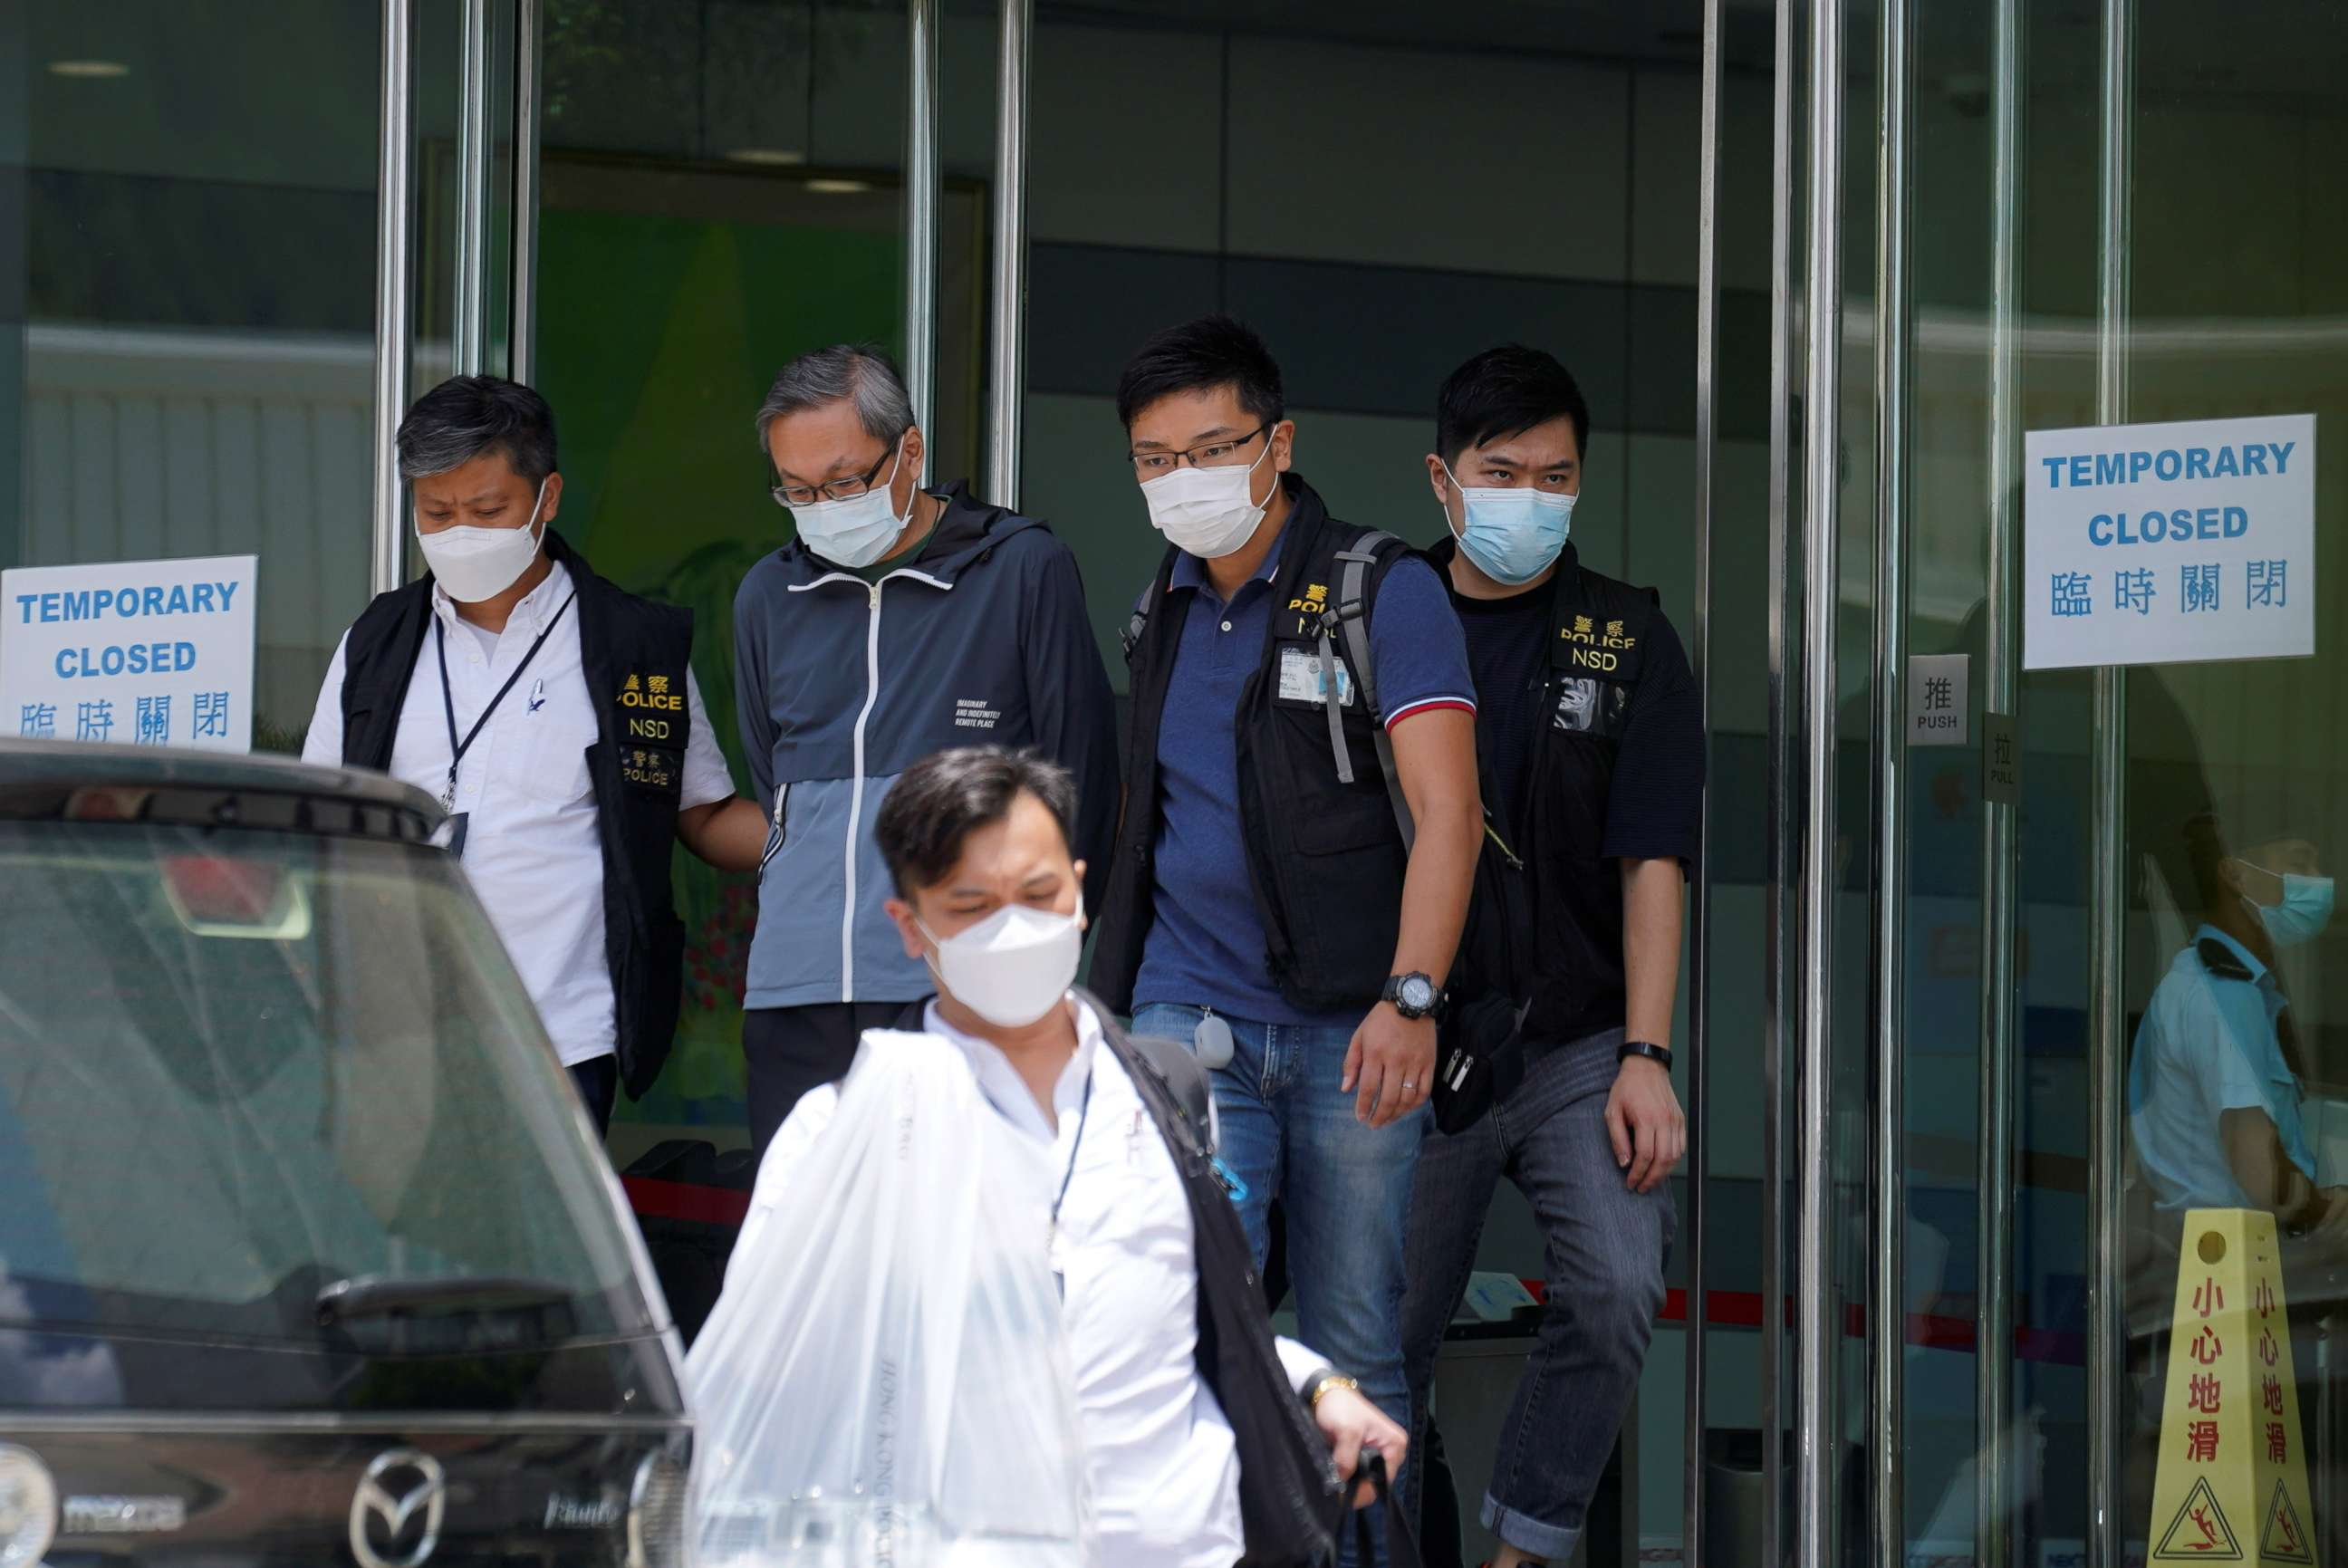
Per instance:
(1164,1468)
(533,846)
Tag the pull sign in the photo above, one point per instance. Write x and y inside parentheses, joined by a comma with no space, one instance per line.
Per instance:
(1938,705)
(2000,760)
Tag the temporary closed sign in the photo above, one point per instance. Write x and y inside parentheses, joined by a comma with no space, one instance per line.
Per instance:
(141,652)
(2152,544)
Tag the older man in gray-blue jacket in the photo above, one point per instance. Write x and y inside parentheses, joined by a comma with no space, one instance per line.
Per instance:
(902,620)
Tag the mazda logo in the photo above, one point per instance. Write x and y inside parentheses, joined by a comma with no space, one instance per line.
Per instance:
(397,1487)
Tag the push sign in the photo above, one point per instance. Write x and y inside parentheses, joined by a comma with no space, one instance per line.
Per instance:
(2151,545)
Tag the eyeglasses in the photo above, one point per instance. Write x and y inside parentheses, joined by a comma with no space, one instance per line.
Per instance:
(1148,466)
(848,488)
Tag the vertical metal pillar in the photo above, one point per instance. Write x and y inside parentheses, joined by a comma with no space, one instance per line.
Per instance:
(1007,323)
(1699,1079)
(1818,1323)
(2107,830)
(2001,693)
(1777,962)
(521,332)
(921,209)
(469,330)
(394,290)
(1887,938)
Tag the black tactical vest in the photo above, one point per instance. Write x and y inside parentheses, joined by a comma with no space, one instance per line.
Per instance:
(636,765)
(1546,925)
(1325,854)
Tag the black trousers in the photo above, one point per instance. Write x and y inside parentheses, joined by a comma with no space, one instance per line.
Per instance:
(599,1086)
(790,1051)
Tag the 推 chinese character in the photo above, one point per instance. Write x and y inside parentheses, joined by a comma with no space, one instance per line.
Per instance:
(211,715)
(155,720)
(2199,588)
(2072,593)
(2269,585)
(2133,590)
(1939,694)
(94,720)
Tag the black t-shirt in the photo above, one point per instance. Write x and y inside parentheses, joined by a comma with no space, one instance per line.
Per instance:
(1654,807)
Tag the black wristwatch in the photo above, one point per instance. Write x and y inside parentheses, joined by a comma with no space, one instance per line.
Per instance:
(1658,1055)
(1414,996)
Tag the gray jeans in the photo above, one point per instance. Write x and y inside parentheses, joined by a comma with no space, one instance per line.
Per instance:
(1606,1250)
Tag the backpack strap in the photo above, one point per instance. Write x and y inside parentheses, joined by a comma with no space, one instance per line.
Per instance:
(1131,636)
(1178,1067)
(1351,614)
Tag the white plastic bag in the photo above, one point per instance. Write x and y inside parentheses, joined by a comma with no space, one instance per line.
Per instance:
(885,1382)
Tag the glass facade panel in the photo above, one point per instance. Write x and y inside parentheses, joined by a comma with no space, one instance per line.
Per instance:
(187,298)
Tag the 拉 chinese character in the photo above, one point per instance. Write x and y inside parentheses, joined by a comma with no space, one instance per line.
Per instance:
(2269,585)
(2278,1447)
(155,720)
(2205,1346)
(2200,1441)
(2202,1392)
(2133,590)
(2209,1297)
(2073,594)
(211,715)
(38,720)
(2199,588)
(94,720)
(1939,694)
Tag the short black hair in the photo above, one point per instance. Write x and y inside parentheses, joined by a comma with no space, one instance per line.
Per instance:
(1504,391)
(1200,355)
(466,416)
(938,802)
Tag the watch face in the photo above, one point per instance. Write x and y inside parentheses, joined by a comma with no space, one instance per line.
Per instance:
(1418,993)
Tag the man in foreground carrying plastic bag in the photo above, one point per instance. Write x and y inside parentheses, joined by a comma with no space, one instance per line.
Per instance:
(889,1274)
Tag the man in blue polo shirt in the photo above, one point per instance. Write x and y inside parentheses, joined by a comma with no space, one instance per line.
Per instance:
(1292,867)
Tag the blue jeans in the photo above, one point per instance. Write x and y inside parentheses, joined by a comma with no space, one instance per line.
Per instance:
(1606,1246)
(1290,1134)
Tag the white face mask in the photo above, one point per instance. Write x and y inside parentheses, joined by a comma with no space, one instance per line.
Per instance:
(1206,511)
(1012,967)
(859,531)
(472,564)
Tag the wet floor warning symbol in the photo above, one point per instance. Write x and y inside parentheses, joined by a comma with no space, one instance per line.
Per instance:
(2200,1532)
(2284,1540)
(2230,1485)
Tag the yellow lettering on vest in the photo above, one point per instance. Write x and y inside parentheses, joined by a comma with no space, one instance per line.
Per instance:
(671,703)
(1595,659)
(649,728)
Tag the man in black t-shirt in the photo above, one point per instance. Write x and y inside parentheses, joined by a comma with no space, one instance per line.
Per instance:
(1590,743)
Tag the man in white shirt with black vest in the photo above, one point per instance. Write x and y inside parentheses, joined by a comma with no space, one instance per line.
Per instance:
(1198,1424)
(557,720)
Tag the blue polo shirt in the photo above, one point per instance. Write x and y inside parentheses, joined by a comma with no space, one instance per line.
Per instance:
(1206,945)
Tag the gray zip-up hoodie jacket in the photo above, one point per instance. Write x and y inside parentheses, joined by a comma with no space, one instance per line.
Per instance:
(842,685)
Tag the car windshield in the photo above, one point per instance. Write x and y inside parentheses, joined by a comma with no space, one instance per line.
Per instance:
(243,1074)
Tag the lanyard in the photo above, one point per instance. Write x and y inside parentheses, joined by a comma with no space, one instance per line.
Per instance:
(456,748)
(1083,1115)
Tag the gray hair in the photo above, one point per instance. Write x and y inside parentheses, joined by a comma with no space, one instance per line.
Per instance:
(466,416)
(863,371)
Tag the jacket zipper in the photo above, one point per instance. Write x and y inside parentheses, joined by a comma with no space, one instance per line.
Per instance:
(856,795)
(856,786)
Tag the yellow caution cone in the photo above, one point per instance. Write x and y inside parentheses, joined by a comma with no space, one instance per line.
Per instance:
(2231,1483)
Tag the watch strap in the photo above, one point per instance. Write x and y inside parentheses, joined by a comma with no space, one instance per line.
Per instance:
(1656,1053)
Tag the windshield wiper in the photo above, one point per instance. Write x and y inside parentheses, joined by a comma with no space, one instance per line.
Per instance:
(374,1295)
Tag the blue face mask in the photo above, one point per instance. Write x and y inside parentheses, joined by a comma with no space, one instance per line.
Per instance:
(1512,535)
(2305,910)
